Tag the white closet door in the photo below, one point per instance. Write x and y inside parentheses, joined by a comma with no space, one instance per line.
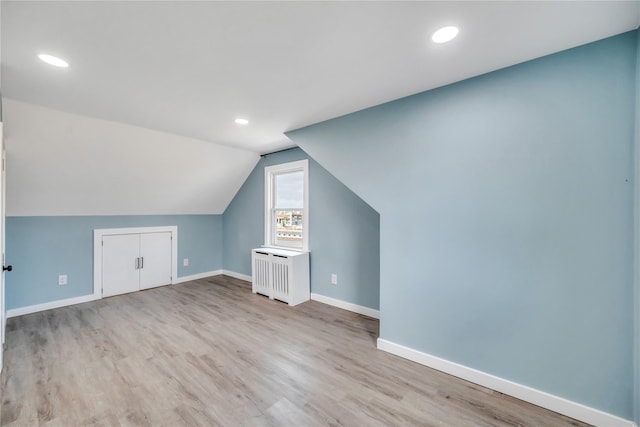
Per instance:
(155,250)
(119,258)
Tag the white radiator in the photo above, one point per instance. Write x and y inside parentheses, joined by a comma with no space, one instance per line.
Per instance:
(260,275)
(281,274)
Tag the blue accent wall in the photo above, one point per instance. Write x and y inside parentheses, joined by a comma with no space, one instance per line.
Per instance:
(344,232)
(506,218)
(42,247)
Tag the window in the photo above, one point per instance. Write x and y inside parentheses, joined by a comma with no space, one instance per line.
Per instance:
(286,205)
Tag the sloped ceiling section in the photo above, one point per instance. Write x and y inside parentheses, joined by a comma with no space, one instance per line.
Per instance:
(191,67)
(65,164)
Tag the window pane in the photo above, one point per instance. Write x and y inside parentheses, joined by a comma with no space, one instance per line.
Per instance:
(289,190)
(288,227)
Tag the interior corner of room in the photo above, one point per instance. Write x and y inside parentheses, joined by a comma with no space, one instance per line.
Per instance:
(490,222)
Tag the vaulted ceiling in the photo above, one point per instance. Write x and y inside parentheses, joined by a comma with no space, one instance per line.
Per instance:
(191,68)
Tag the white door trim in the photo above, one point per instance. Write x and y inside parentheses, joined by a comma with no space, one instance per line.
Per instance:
(97,250)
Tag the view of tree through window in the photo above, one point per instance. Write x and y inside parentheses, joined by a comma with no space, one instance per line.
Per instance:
(289,208)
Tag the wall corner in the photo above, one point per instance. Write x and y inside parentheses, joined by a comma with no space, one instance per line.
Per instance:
(636,251)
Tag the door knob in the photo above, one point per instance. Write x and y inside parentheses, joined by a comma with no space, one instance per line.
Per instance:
(7,268)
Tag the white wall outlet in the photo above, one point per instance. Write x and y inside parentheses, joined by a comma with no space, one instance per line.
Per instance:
(334,279)
(62,279)
(185,262)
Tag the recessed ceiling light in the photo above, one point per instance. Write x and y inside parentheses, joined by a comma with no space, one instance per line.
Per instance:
(242,121)
(445,34)
(53,60)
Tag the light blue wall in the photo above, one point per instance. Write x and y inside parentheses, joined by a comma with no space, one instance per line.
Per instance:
(42,247)
(344,232)
(506,219)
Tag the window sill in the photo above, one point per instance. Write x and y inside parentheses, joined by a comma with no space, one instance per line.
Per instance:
(285,248)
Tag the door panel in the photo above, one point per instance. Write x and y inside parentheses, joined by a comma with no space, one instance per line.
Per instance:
(155,249)
(119,272)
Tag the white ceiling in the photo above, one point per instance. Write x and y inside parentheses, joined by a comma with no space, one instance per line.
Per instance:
(191,68)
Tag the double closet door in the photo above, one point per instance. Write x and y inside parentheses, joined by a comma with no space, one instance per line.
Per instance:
(133,262)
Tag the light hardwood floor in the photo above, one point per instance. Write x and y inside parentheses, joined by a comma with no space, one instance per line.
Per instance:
(209,353)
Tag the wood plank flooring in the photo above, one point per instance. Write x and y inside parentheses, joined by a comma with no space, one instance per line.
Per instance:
(211,353)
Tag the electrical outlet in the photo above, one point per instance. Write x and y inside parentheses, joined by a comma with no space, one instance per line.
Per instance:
(334,279)
(62,279)
(185,262)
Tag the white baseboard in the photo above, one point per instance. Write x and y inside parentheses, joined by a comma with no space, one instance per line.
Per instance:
(86,298)
(346,305)
(528,394)
(236,275)
(49,305)
(197,276)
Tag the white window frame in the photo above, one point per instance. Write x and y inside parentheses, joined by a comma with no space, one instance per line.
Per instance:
(269,187)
